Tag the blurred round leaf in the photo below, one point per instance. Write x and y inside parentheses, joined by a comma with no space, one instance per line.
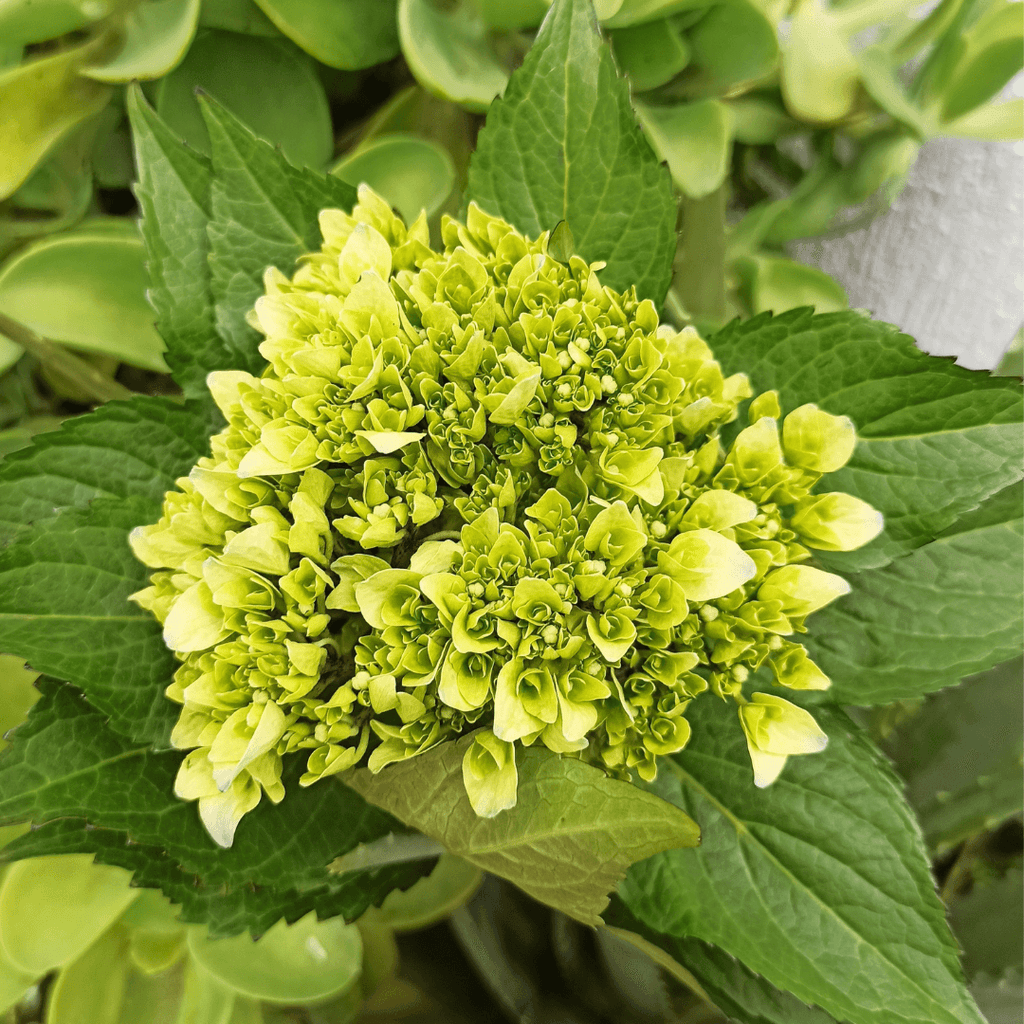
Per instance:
(380,952)
(157,34)
(432,898)
(346,34)
(1000,121)
(758,120)
(780,284)
(267,83)
(36,21)
(650,54)
(17,693)
(695,139)
(448,52)
(410,173)
(236,16)
(41,100)
(86,288)
(306,962)
(819,73)
(886,158)
(205,999)
(510,15)
(90,990)
(156,938)
(53,908)
(734,42)
(622,13)
(249,1011)
(878,75)
(9,353)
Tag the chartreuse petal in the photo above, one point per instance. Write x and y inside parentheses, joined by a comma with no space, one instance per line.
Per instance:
(157,34)
(91,989)
(53,908)
(41,100)
(36,21)
(819,72)
(432,898)
(305,962)
(153,999)
(449,53)
(347,34)
(412,174)
(17,693)
(156,937)
(205,999)
(14,983)
(817,440)
(489,772)
(86,288)
(267,83)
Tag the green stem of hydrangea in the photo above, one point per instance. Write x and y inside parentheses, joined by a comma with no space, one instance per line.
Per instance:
(700,265)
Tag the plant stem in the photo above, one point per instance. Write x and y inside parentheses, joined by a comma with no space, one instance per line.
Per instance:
(59,361)
(700,266)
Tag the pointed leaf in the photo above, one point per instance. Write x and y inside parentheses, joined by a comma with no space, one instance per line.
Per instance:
(563,144)
(820,883)
(567,841)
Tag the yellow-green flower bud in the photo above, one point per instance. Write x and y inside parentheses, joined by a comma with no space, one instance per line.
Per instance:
(817,440)
(836,522)
(490,775)
(775,730)
(802,589)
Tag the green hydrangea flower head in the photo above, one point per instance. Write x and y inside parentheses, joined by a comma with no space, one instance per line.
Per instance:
(477,490)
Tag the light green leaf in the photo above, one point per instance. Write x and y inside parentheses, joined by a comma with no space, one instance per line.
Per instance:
(154,1000)
(621,13)
(42,100)
(449,53)
(269,84)
(996,121)
(157,34)
(432,898)
(409,172)
(819,73)
(264,214)
(305,962)
(66,762)
(17,693)
(757,120)
(991,52)
(509,15)
(236,16)
(733,43)
(948,609)
(779,284)
(563,144)
(567,841)
(53,908)
(174,193)
(13,983)
(935,440)
(86,288)
(819,883)
(651,54)
(348,34)
(695,139)
(32,21)
(960,755)
(90,990)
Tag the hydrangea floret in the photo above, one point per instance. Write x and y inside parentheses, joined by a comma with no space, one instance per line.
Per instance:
(476,490)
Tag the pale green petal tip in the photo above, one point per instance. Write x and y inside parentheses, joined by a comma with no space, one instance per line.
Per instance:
(490,775)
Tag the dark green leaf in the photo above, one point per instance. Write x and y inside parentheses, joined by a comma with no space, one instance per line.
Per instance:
(986,921)
(947,610)
(123,449)
(64,608)
(819,883)
(936,440)
(174,193)
(961,756)
(64,762)
(264,214)
(730,985)
(563,144)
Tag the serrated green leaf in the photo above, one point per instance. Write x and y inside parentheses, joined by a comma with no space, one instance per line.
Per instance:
(568,840)
(563,144)
(65,762)
(64,588)
(960,755)
(936,440)
(819,883)
(264,214)
(729,984)
(123,449)
(174,193)
(947,610)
